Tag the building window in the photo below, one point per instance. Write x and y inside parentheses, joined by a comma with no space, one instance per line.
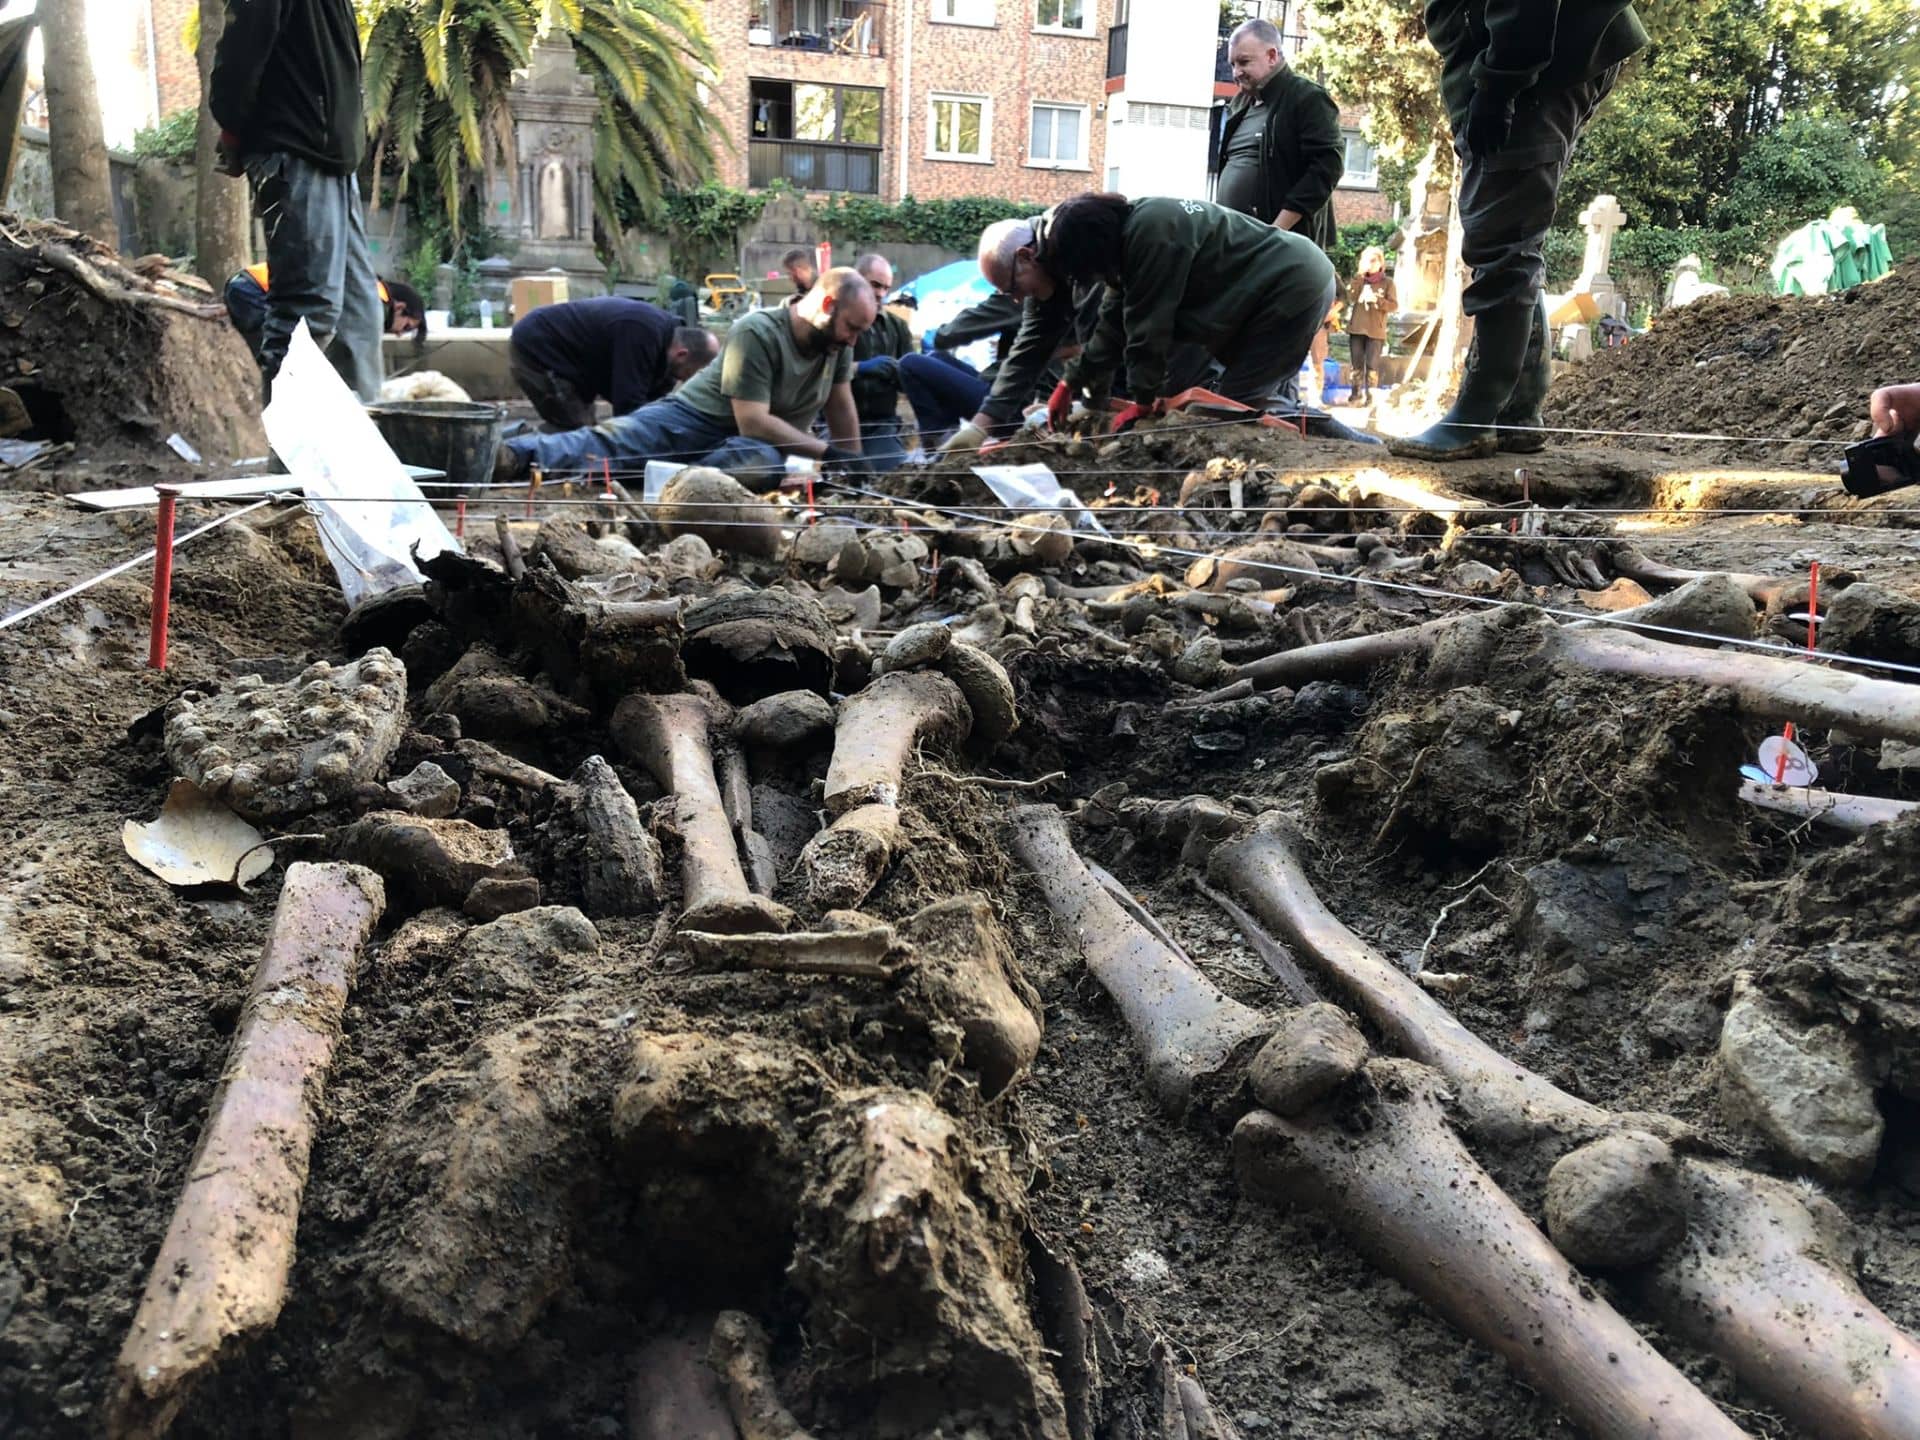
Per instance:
(1169,117)
(959,127)
(815,137)
(1059,137)
(1068,17)
(1363,164)
(963,12)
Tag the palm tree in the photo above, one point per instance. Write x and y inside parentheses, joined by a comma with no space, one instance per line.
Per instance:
(437,74)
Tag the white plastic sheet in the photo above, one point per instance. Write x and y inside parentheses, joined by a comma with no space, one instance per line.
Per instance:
(1036,488)
(369,512)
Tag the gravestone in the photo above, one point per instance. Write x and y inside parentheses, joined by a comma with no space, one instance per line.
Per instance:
(544,202)
(1602,219)
(784,224)
(1420,264)
(1687,285)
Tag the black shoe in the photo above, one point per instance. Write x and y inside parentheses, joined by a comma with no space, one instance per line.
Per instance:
(1519,429)
(1494,362)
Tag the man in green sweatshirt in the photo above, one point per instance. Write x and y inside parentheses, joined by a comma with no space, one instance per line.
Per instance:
(1177,272)
(1520,79)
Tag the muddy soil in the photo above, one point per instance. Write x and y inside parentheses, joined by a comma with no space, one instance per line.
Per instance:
(1798,366)
(1604,889)
(69,354)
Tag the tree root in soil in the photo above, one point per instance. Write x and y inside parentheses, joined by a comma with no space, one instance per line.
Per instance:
(221,1273)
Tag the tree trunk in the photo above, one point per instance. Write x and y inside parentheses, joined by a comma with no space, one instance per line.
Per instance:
(222,243)
(77,145)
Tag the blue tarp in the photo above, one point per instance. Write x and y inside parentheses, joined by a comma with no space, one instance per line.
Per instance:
(942,294)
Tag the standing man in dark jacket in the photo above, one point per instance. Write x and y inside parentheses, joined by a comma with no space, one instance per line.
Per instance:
(876,371)
(285,90)
(613,348)
(1281,153)
(1520,79)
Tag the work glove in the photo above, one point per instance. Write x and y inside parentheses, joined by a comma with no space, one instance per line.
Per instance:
(846,462)
(967,437)
(1137,412)
(882,367)
(1059,406)
(226,153)
(1489,123)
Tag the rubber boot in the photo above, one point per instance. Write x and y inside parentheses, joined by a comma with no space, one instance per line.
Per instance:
(1518,428)
(1465,432)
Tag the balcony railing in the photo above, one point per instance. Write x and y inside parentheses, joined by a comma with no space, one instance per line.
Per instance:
(807,166)
(833,27)
(1116,50)
(1290,45)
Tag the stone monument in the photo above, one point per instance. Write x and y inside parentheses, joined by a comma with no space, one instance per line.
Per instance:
(1687,285)
(544,201)
(1603,218)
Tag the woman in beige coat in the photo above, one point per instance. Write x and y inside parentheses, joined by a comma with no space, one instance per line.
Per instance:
(1370,300)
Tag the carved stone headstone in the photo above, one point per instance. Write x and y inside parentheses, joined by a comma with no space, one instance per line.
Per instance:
(545,202)
(1603,219)
(784,224)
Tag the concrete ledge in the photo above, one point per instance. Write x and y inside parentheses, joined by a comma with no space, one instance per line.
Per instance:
(474,359)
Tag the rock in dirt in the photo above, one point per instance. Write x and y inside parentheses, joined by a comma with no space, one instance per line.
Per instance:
(495,895)
(514,954)
(1316,1050)
(277,750)
(427,790)
(795,720)
(921,644)
(490,700)
(720,510)
(983,680)
(424,862)
(1875,622)
(1805,1087)
(1617,1201)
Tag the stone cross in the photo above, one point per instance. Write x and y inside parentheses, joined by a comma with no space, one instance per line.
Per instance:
(1602,218)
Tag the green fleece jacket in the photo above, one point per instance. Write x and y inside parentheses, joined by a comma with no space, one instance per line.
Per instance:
(1509,46)
(1193,273)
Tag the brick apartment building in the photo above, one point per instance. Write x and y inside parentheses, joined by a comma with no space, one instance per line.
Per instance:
(929,98)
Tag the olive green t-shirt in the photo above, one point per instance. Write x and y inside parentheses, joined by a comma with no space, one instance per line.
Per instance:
(762,362)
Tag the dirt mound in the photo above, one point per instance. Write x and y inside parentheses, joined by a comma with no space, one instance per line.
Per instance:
(114,362)
(1760,365)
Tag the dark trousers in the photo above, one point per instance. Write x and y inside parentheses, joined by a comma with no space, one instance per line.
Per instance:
(1263,365)
(247,309)
(943,390)
(1507,200)
(667,429)
(1363,354)
(318,269)
(560,404)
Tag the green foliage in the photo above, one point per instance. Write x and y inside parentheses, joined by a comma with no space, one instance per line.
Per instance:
(955,224)
(171,139)
(1800,172)
(437,74)
(1356,237)
(1374,53)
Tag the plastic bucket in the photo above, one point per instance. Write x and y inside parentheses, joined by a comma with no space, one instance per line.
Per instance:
(457,436)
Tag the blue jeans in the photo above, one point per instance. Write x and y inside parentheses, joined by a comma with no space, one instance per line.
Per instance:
(318,268)
(882,443)
(247,309)
(943,391)
(667,429)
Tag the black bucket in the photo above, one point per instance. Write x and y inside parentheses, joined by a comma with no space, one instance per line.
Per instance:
(457,436)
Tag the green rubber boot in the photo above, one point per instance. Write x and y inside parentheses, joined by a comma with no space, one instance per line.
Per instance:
(1494,363)
(1519,426)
